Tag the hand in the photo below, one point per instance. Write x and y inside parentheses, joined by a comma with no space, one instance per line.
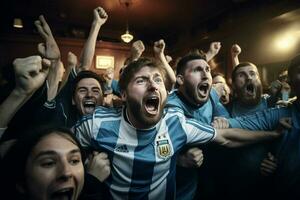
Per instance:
(49,49)
(220,123)
(159,47)
(30,73)
(72,62)
(169,58)
(235,50)
(98,165)
(286,122)
(100,16)
(283,103)
(268,165)
(137,49)
(214,48)
(193,158)
(72,59)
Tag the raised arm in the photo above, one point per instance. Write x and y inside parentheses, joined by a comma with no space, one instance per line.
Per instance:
(136,51)
(235,51)
(30,74)
(87,54)
(50,50)
(214,49)
(159,48)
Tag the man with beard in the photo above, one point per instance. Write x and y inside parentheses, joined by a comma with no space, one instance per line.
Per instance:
(286,179)
(143,138)
(247,90)
(243,165)
(198,100)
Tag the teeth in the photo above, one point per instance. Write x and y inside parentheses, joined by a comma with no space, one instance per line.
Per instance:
(89,103)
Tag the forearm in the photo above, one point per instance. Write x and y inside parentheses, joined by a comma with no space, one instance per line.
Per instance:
(88,51)
(209,55)
(235,60)
(170,72)
(240,137)
(53,80)
(11,105)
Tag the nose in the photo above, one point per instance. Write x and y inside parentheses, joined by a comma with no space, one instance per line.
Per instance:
(64,171)
(205,75)
(249,77)
(89,93)
(153,85)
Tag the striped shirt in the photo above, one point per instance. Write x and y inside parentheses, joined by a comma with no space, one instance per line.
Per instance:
(143,161)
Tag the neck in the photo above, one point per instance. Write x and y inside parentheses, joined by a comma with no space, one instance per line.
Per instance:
(187,100)
(132,121)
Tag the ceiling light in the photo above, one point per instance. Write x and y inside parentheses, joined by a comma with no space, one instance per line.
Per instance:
(127,37)
(286,42)
(18,23)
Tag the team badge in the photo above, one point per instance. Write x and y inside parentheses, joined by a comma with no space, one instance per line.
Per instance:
(163,147)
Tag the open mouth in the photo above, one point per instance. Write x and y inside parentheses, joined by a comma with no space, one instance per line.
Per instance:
(89,106)
(63,194)
(151,105)
(223,99)
(203,89)
(250,89)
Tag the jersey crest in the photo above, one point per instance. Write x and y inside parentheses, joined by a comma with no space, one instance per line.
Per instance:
(163,147)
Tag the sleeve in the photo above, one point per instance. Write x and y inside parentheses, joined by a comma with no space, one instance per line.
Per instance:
(83,130)
(198,133)
(264,120)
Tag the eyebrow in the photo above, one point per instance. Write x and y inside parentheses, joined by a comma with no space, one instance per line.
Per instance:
(51,152)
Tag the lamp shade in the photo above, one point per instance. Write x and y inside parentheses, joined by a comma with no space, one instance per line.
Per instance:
(18,23)
(127,37)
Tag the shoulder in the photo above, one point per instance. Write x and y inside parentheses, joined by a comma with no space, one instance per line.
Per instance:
(103,112)
(173,99)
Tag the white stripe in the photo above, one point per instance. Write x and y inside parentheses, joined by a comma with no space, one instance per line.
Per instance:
(158,186)
(122,163)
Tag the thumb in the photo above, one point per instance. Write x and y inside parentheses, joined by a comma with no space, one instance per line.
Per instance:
(42,49)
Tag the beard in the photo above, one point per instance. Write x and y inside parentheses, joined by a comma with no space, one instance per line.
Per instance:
(191,94)
(250,98)
(140,116)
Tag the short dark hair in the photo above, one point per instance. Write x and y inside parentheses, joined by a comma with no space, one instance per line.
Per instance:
(14,162)
(82,75)
(295,62)
(182,64)
(135,66)
(242,64)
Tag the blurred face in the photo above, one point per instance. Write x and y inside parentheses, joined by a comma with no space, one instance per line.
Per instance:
(145,97)
(196,82)
(54,169)
(109,74)
(87,96)
(247,85)
(223,90)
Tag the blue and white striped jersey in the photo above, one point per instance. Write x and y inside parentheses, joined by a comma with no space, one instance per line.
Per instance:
(143,162)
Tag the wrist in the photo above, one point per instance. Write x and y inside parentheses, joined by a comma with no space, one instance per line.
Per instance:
(21,94)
